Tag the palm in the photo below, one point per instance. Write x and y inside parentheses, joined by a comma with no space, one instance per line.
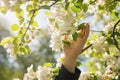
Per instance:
(76,46)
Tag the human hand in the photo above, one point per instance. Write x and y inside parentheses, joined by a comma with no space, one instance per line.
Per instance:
(77,45)
(75,48)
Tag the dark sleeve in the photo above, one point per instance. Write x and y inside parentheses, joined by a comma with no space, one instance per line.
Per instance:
(64,74)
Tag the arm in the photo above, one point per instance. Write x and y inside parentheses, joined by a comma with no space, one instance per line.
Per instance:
(68,70)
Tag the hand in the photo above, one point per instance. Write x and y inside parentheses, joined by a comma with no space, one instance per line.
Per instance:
(75,48)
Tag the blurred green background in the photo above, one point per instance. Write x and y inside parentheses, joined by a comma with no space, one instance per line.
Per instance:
(42,53)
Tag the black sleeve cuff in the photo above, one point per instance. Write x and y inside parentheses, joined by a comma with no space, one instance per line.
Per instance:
(64,74)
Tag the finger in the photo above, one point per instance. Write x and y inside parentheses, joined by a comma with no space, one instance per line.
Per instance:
(82,33)
(66,38)
(87,30)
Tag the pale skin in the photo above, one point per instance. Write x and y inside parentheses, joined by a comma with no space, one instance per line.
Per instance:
(74,50)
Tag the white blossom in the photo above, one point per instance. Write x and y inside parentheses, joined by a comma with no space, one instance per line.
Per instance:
(60,60)
(56,41)
(16,79)
(107,28)
(100,45)
(106,56)
(44,73)
(92,9)
(10,50)
(98,65)
(100,77)
(30,75)
(109,69)
(61,22)
(84,76)
(57,12)
(117,64)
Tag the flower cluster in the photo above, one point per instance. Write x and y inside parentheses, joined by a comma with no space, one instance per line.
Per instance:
(42,73)
(84,76)
(10,50)
(105,67)
(61,22)
(100,45)
(46,72)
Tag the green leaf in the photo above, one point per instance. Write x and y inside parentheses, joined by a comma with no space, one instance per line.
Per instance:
(20,13)
(119,77)
(22,50)
(79,1)
(16,49)
(3,9)
(100,7)
(15,27)
(15,40)
(110,41)
(6,40)
(56,25)
(35,79)
(45,7)
(78,63)
(35,23)
(112,6)
(94,36)
(56,70)
(81,26)
(20,16)
(75,9)
(66,42)
(85,7)
(21,19)
(28,50)
(67,5)
(94,54)
(51,19)
(16,7)
(47,13)
(48,64)
(29,7)
(75,35)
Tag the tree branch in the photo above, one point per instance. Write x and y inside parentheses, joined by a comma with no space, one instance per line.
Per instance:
(54,3)
(48,6)
(33,13)
(86,48)
(95,31)
(113,35)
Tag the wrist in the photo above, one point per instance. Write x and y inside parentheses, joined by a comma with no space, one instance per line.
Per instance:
(71,57)
(69,64)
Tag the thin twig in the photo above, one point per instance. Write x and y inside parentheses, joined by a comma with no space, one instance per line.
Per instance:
(86,48)
(54,3)
(95,31)
(113,35)
(33,13)
(33,17)
(48,6)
